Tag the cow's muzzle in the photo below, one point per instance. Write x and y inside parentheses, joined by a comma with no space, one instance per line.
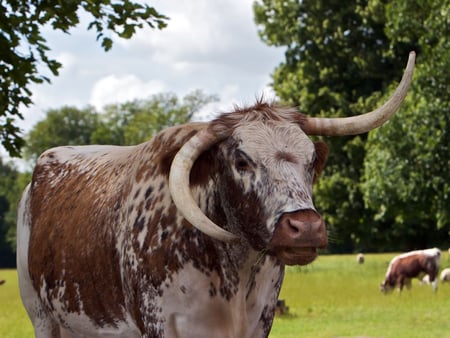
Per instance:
(297,237)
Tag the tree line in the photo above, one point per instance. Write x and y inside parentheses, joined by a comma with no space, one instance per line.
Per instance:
(388,190)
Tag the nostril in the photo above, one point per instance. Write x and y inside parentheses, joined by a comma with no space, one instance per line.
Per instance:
(294,228)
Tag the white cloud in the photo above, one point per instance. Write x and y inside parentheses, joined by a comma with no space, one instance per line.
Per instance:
(68,61)
(198,27)
(114,89)
(200,33)
(207,45)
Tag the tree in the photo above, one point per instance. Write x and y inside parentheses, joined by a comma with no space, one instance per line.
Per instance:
(415,197)
(137,121)
(25,52)
(7,178)
(343,58)
(12,184)
(64,126)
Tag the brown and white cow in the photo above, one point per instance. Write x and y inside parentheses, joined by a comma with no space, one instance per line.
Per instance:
(413,264)
(186,235)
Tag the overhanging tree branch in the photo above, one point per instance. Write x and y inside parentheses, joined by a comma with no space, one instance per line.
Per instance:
(23,46)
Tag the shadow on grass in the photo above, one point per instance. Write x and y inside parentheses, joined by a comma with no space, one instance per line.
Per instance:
(287,315)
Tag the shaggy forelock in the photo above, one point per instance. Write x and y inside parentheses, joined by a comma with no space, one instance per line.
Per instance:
(261,111)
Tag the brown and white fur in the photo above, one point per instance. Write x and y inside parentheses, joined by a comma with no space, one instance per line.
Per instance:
(104,252)
(413,264)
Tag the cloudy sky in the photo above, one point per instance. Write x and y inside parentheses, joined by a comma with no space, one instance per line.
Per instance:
(208,45)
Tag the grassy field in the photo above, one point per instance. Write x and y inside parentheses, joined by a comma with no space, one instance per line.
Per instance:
(333,297)
(14,322)
(336,297)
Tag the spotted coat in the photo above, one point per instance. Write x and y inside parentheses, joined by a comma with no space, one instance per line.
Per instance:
(413,264)
(104,252)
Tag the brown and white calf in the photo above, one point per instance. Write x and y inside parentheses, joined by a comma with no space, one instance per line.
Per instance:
(185,235)
(413,264)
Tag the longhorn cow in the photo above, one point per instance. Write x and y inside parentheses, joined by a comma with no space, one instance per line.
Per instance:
(186,235)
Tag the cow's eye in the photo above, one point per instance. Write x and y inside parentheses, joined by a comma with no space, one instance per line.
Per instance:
(242,164)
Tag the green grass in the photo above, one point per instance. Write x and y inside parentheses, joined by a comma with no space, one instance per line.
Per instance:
(333,297)
(336,297)
(14,322)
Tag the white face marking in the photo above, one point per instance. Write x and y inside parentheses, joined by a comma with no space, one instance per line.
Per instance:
(283,176)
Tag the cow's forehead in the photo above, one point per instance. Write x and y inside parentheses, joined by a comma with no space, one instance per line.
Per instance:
(269,139)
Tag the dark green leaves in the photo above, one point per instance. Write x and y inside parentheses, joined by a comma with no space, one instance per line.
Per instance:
(24,57)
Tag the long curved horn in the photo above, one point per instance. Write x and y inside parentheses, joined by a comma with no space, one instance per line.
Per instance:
(363,123)
(180,190)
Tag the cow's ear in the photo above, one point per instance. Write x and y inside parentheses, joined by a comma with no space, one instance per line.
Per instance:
(321,158)
(204,167)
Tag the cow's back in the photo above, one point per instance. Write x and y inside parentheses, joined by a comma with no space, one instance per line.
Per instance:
(413,263)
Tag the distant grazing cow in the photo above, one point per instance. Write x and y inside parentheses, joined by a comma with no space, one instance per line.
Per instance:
(185,235)
(445,275)
(414,264)
(360,258)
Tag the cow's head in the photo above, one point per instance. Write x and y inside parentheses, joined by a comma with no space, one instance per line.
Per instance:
(387,285)
(268,167)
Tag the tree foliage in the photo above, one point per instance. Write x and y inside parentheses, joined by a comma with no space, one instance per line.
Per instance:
(8,177)
(25,51)
(12,183)
(415,195)
(344,58)
(126,123)
(137,121)
(334,52)
(64,126)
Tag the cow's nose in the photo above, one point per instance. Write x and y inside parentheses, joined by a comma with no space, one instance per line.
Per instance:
(302,228)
